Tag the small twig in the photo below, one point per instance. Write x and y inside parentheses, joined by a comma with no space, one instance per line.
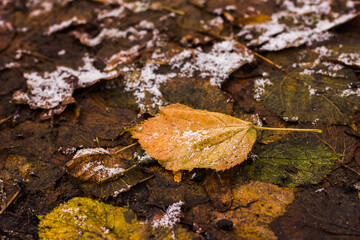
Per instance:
(194,56)
(157,62)
(346,166)
(4,120)
(10,201)
(271,62)
(179,12)
(43,58)
(124,148)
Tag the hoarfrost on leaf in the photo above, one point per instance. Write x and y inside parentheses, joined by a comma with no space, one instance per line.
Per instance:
(170,217)
(299,22)
(190,138)
(64,24)
(51,89)
(216,65)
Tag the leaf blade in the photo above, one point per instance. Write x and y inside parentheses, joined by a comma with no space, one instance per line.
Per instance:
(182,138)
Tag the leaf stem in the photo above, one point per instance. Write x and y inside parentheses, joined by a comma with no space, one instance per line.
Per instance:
(289,129)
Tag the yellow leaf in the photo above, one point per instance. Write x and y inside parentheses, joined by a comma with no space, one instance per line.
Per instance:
(85,218)
(182,138)
(256,204)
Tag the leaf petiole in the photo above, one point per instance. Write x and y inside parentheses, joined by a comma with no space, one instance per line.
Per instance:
(288,129)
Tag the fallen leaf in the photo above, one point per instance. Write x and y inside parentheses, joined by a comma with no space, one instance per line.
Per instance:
(298,23)
(319,92)
(74,21)
(54,90)
(347,54)
(255,205)
(241,9)
(325,207)
(182,138)
(15,171)
(7,33)
(106,115)
(104,172)
(117,185)
(94,165)
(84,218)
(292,163)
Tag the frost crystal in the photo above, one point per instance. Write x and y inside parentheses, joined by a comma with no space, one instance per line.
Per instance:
(90,151)
(65,24)
(224,58)
(218,64)
(171,217)
(148,81)
(144,158)
(221,61)
(316,18)
(260,87)
(51,88)
(350,58)
(102,171)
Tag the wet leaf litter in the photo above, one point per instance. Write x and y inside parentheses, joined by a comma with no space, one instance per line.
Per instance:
(149,119)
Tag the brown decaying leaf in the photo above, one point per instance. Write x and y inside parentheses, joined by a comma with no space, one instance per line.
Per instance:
(182,138)
(256,204)
(96,165)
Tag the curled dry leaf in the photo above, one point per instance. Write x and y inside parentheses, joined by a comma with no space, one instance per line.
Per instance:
(182,138)
(94,165)
(104,172)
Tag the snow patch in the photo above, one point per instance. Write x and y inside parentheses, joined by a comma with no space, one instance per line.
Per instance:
(217,64)
(97,168)
(51,88)
(260,87)
(65,24)
(310,22)
(171,216)
(90,151)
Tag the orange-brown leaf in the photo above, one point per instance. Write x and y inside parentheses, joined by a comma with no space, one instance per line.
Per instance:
(182,138)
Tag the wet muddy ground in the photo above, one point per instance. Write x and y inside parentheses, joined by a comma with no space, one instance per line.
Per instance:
(109,65)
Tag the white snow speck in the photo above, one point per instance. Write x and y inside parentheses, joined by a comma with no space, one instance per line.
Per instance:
(62,52)
(260,87)
(171,216)
(90,151)
(65,24)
